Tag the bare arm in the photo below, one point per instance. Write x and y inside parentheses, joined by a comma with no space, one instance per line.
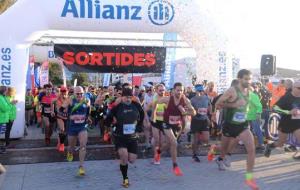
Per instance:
(190,109)
(226,99)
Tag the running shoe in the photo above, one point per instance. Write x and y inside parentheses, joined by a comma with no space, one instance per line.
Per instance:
(252,184)
(81,171)
(61,148)
(221,164)
(211,153)
(227,161)
(125,183)
(195,158)
(70,157)
(268,151)
(156,159)
(177,171)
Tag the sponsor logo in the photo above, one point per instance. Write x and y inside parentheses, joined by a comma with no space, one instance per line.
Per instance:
(161,12)
(95,9)
(5,66)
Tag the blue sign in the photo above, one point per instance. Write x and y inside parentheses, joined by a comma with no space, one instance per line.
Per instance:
(161,12)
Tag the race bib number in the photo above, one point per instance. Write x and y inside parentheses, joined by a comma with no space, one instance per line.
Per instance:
(297,116)
(239,117)
(78,119)
(129,129)
(47,110)
(174,120)
(202,111)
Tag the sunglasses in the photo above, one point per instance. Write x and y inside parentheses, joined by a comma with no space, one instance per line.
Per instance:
(298,88)
(79,94)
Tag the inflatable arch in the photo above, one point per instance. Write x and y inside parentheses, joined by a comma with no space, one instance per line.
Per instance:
(28,20)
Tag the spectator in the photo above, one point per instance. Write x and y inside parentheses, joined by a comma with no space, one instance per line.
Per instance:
(10,95)
(29,105)
(4,113)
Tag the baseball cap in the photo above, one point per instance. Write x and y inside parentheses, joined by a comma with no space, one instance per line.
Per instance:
(199,87)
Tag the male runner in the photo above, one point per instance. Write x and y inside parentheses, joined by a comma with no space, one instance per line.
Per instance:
(61,107)
(289,107)
(157,120)
(178,106)
(236,102)
(200,122)
(47,112)
(128,116)
(79,114)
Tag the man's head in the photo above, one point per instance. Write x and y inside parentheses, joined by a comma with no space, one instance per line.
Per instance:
(296,88)
(63,91)
(199,89)
(111,90)
(211,86)
(3,90)
(78,91)
(127,96)
(149,90)
(178,90)
(288,83)
(160,90)
(48,89)
(245,78)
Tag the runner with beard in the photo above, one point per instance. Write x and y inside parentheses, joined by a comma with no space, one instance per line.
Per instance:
(127,118)
(236,102)
(178,106)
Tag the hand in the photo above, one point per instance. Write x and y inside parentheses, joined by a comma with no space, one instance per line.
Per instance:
(258,116)
(52,114)
(295,111)
(14,102)
(182,110)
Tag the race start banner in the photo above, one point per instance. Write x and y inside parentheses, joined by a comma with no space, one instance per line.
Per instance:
(112,59)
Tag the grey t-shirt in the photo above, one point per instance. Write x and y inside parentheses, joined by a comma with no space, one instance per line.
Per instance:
(201,105)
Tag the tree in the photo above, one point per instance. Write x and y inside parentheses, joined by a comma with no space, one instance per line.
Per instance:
(82,79)
(55,74)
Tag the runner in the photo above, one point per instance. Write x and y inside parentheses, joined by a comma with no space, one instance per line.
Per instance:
(236,102)
(128,116)
(289,107)
(148,99)
(200,122)
(157,120)
(48,119)
(79,114)
(178,106)
(61,108)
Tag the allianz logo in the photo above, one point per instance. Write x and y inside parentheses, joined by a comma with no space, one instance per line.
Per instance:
(160,12)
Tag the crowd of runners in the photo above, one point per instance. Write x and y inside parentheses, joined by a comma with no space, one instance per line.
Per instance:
(124,113)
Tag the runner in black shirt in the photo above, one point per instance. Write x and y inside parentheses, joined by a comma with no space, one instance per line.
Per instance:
(128,121)
(289,107)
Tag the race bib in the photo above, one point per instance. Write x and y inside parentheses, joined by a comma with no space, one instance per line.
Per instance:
(174,120)
(129,129)
(202,111)
(78,119)
(47,110)
(297,116)
(239,117)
